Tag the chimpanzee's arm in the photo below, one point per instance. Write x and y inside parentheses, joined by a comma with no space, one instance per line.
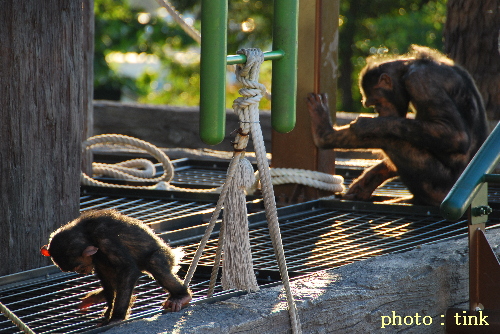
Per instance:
(160,266)
(326,137)
(438,135)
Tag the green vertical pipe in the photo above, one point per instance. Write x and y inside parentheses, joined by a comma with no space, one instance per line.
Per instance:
(213,71)
(284,80)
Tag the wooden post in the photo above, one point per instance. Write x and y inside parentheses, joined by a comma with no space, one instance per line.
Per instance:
(317,72)
(41,99)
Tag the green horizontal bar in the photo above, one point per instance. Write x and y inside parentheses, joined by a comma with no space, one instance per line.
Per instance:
(241,59)
(465,189)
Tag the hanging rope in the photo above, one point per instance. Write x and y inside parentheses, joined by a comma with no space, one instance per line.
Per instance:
(215,215)
(248,76)
(188,29)
(246,107)
(18,322)
(238,271)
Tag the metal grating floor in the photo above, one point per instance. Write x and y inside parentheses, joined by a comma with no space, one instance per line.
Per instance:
(191,173)
(316,235)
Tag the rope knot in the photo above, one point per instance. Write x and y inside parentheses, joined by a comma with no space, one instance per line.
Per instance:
(250,69)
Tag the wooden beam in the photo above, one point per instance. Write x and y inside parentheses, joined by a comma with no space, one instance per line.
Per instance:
(317,72)
(41,80)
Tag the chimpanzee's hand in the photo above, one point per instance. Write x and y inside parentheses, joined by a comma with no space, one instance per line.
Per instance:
(176,304)
(356,192)
(321,125)
(317,104)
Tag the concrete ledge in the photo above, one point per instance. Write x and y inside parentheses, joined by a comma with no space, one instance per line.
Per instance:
(350,299)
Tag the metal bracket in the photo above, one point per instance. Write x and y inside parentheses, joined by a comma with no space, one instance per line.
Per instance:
(479,206)
(481,211)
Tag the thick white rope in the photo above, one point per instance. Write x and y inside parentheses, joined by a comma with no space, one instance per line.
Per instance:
(135,169)
(188,29)
(144,170)
(128,170)
(247,105)
(319,180)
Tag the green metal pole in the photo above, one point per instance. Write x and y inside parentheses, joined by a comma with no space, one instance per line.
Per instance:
(284,82)
(213,71)
(241,59)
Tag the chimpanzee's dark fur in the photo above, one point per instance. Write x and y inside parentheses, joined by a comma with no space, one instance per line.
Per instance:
(119,248)
(429,152)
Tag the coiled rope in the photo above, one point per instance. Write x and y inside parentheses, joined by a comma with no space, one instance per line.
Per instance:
(135,169)
(144,170)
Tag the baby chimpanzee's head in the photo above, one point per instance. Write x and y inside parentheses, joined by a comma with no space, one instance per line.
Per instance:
(70,251)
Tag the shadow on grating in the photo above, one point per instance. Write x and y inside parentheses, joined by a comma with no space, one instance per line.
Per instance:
(316,235)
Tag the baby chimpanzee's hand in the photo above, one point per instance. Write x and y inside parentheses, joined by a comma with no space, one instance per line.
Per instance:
(176,304)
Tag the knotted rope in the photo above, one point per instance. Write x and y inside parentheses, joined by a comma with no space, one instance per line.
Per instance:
(265,176)
(246,107)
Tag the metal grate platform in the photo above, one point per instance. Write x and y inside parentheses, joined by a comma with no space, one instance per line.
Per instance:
(317,235)
(190,173)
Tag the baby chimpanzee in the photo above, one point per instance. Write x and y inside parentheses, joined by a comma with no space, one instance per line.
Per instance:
(118,248)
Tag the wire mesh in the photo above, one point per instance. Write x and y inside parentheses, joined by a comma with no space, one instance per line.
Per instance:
(316,236)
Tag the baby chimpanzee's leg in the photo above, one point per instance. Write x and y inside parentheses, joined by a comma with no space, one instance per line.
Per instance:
(94,297)
(118,284)
(161,266)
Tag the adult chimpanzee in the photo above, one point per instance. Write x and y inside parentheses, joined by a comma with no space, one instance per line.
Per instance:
(429,152)
(118,248)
